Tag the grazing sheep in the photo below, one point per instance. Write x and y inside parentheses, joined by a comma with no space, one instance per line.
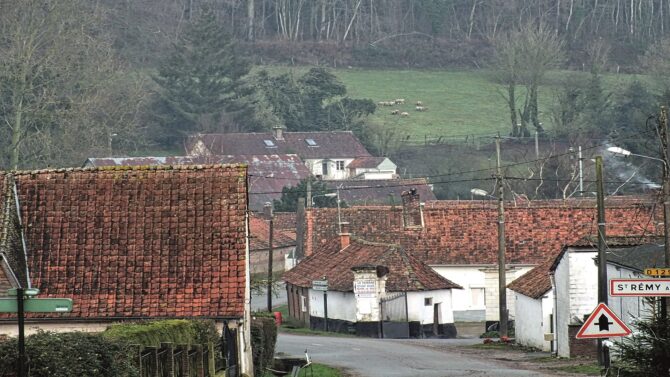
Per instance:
(404,114)
(421,108)
(399,101)
(395,112)
(419,103)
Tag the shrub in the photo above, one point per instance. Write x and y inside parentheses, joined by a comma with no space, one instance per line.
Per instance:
(152,333)
(263,341)
(69,354)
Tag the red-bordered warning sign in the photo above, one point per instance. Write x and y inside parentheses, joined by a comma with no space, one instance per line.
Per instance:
(603,323)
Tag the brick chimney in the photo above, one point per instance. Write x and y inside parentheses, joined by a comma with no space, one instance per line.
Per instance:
(345,236)
(278,132)
(411,209)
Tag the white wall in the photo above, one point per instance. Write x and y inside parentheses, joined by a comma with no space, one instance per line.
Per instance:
(562,308)
(316,167)
(372,175)
(627,308)
(533,320)
(492,296)
(341,305)
(469,278)
(418,311)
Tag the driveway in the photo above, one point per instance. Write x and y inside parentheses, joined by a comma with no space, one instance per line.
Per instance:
(365,357)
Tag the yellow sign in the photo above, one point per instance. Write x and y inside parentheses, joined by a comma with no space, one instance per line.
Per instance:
(657,271)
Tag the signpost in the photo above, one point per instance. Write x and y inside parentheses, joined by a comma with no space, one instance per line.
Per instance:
(25,303)
(602,323)
(651,287)
(322,285)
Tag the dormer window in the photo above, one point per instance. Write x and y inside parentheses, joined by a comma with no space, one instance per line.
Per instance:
(269,144)
(311,142)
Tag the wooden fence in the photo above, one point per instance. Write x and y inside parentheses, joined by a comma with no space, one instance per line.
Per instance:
(181,360)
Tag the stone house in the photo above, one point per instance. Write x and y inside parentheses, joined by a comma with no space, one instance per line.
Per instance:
(326,155)
(374,289)
(129,244)
(458,239)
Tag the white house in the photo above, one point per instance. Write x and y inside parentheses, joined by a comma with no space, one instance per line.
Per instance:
(372,168)
(556,297)
(374,289)
(327,155)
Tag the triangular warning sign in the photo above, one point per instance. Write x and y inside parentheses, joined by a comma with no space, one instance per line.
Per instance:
(602,323)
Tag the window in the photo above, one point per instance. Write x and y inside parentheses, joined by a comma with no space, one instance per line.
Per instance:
(324,168)
(303,303)
(269,144)
(340,165)
(428,301)
(477,297)
(311,142)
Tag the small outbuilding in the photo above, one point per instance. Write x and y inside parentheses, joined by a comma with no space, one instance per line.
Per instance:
(373,289)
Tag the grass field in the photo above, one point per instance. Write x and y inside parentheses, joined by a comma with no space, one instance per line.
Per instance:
(459,103)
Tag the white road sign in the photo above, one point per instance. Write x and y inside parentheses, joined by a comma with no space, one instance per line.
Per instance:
(320,285)
(602,323)
(650,287)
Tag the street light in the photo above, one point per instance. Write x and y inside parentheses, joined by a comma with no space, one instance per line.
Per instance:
(333,195)
(666,206)
(479,192)
(329,195)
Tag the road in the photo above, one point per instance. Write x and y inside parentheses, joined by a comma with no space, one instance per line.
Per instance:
(259,301)
(365,357)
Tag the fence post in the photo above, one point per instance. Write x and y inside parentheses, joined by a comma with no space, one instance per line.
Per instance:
(212,359)
(168,361)
(199,367)
(184,368)
(138,355)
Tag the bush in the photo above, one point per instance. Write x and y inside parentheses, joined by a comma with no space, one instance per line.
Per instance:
(152,333)
(69,354)
(263,341)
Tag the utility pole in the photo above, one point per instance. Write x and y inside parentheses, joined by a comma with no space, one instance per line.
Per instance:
(270,216)
(502,279)
(309,192)
(665,146)
(603,353)
(581,170)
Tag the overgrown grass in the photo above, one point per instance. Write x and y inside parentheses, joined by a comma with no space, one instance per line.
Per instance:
(317,370)
(589,369)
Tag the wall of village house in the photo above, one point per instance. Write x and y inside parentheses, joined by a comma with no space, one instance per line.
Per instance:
(341,305)
(562,305)
(627,308)
(370,174)
(258,259)
(419,311)
(469,303)
(316,167)
(533,320)
(491,288)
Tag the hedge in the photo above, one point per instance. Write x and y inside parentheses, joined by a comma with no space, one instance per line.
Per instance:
(152,333)
(263,341)
(69,354)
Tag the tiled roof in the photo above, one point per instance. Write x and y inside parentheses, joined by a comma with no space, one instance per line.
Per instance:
(534,283)
(379,191)
(138,242)
(406,272)
(259,232)
(366,162)
(465,232)
(268,173)
(334,144)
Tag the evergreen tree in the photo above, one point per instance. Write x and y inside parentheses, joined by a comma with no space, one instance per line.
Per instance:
(201,81)
(647,351)
(290,196)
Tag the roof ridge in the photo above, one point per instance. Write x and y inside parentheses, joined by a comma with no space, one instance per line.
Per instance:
(128,168)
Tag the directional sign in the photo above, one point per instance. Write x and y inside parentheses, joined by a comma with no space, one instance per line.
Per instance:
(320,285)
(649,287)
(602,323)
(657,271)
(37,305)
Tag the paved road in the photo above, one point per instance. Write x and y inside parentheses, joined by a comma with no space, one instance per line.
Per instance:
(396,358)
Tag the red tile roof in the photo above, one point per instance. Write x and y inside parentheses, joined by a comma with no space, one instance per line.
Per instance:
(259,232)
(268,173)
(406,272)
(138,242)
(334,144)
(464,232)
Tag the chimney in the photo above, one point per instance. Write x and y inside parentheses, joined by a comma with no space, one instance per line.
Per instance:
(278,132)
(411,209)
(345,236)
(267,210)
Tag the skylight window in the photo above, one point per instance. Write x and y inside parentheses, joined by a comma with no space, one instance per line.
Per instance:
(269,144)
(311,142)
